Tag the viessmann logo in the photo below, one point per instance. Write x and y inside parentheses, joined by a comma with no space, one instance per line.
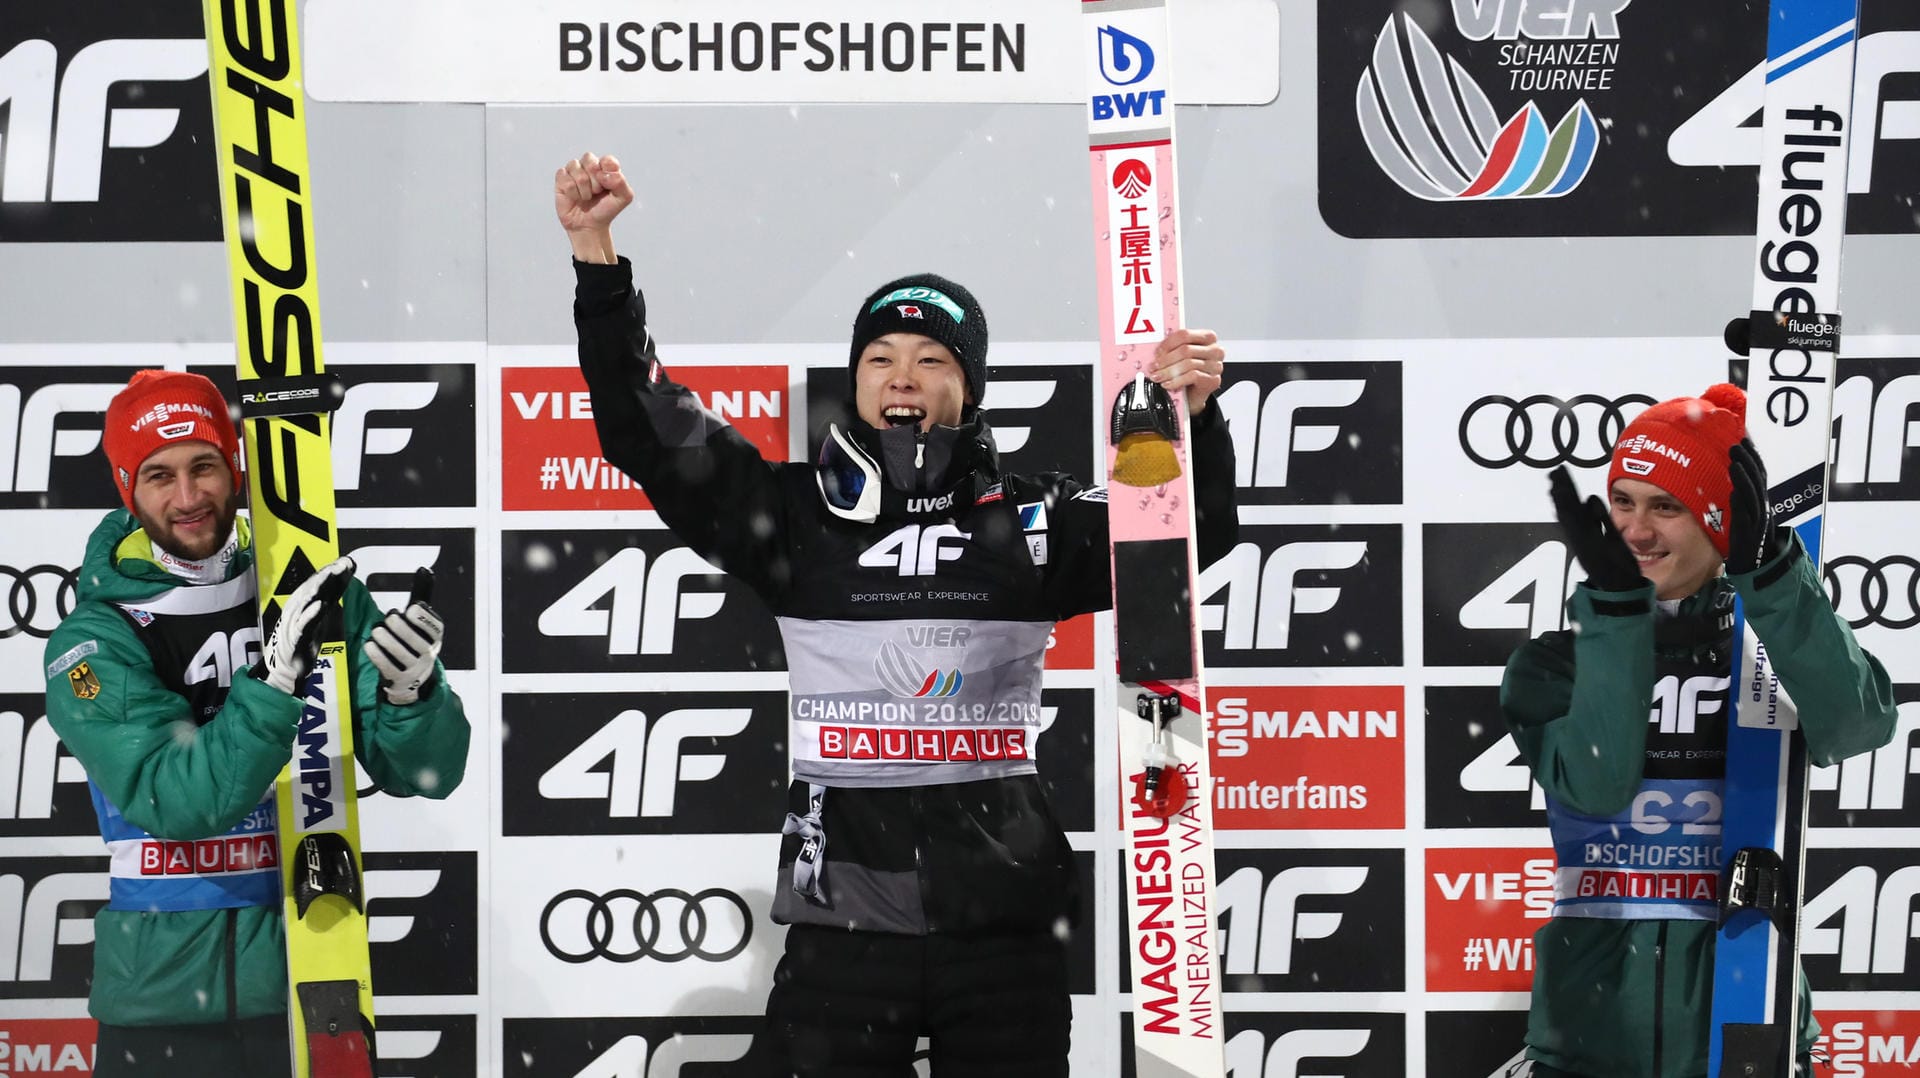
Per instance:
(1436,133)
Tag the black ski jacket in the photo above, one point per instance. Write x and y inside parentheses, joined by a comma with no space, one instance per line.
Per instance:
(937,618)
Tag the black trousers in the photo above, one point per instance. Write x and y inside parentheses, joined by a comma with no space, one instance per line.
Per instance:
(250,1047)
(854,1005)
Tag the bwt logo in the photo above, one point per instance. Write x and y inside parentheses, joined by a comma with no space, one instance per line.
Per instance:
(1257,927)
(1877,921)
(354,440)
(29,434)
(32,761)
(1531,596)
(35,919)
(1874,427)
(634,1056)
(86,126)
(1250,1056)
(647,765)
(1126,60)
(647,603)
(1268,433)
(1501,769)
(1875,781)
(1260,600)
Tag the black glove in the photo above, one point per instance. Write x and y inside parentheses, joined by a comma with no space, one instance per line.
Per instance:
(288,656)
(403,646)
(1589,529)
(1752,540)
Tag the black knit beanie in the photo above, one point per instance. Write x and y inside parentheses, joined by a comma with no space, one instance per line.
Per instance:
(931,306)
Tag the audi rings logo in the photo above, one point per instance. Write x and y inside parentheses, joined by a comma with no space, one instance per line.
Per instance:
(1542,431)
(1884,592)
(625,926)
(37,599)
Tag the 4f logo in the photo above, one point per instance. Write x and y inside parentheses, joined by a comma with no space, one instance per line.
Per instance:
(55,142)
(1319,433)
(643,761)
(1258,928)
(1875,781)
(354,440)
(1250,1052)
(32,764)
(1678,704)
(644,602)
(1501,769)
(31,433)
(635,1055)
(913,550)
(1531,596)
(1874,427)
(1259,599)
(55,910)
(1866,920)
(1277,429)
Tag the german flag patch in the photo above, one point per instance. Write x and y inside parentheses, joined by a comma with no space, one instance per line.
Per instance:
(85,685)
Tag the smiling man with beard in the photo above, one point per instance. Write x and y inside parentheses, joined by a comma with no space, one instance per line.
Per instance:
(150,687)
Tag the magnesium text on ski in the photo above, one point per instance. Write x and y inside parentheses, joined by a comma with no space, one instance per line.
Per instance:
(816,46)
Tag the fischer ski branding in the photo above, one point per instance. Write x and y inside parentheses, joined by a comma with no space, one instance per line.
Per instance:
(1172,926)
(260,134)
(1791,337)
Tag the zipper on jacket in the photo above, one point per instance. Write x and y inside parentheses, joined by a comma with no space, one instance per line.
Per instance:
(233,966)
(1659,995)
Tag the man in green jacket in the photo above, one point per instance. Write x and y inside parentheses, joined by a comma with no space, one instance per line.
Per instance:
(159,685)
(1623,720)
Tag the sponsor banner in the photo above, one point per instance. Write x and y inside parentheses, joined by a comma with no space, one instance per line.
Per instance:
(1475,1044)
(1305,920)
(39,586)
(1315,433)
(1859,929)
(745,51)
(1874,789)
(1308,756)
(385,560)
(43,789)
(626,600)
(1476,776)
(1873,580)
(643,763)
(1879,1043)
(427,1045)
(1506,118)
(1065,750)
(1304,595)
(1041,415)
(423,914)
(63,1046)
(51,419)
(1873,439)
(1490,588)
(685,1046)
(550,452)
(1070,646)
(105,124)
(1273,1044)
(46,925)
(657,924)
(403,435)
(1483,907)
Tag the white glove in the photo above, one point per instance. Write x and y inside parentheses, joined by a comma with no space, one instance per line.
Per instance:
(288,656)
(403,646)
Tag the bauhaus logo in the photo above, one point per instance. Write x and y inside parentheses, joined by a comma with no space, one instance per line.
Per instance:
(1318,433)
(1302,595)
(629,601)
(106,124)
(1295,920)
(688,1046)
(1860,929)
(644,763)
(50,430)
(1323,1044)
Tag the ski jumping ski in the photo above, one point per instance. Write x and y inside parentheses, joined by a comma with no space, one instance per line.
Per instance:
(259,108)
(1160,700)
(1791,336)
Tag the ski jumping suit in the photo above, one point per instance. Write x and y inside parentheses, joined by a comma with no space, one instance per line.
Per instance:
(147,686)
(1623,973)
(914,647)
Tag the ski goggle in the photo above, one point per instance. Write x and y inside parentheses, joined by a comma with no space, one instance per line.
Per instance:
(849,480)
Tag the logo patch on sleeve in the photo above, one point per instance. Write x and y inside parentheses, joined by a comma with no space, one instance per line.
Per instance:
(85,685)
(72,655)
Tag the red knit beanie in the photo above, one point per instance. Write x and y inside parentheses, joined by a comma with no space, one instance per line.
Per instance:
(1681,447)
(159,408)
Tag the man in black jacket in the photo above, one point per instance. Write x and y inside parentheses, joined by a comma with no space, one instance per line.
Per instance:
(927,884)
